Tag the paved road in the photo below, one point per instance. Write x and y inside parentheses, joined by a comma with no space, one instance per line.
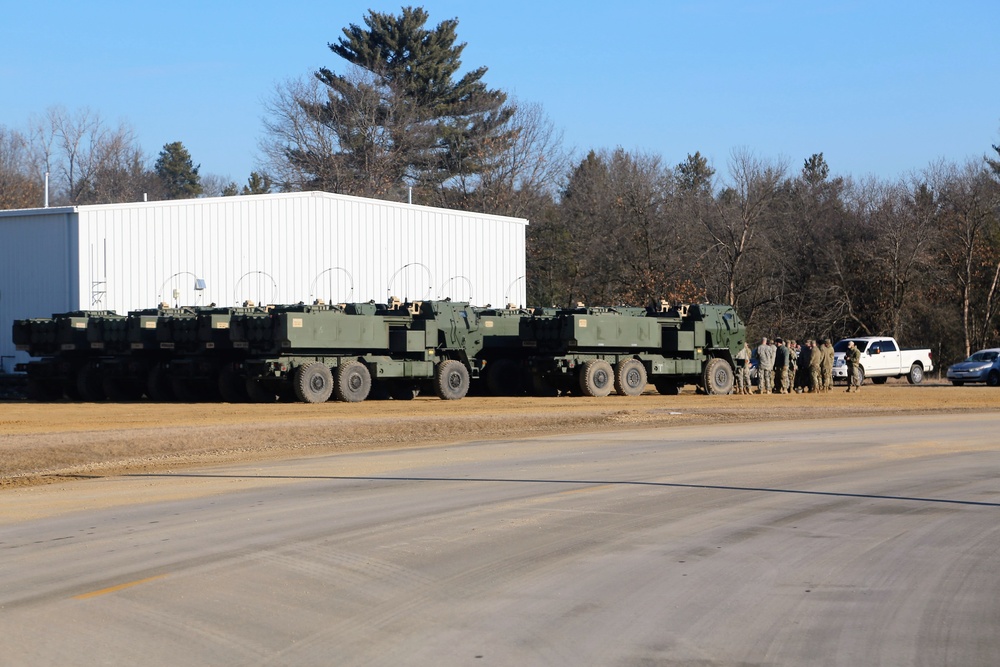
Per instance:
(855,542)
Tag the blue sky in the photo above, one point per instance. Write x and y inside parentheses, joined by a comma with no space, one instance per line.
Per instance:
(881,88)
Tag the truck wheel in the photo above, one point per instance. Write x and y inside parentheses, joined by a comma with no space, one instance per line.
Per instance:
(916,374)
(993,379)
(717,378)
(313,383)
(667,387)
(630,377)
(353,382)
(451,382)
(596,378)
(861,376)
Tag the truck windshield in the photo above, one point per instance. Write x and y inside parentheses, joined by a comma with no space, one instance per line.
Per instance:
(841,345)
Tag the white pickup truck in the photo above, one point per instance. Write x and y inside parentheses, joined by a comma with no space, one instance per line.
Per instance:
(882,359)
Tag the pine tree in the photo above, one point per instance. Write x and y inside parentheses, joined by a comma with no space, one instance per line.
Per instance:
(177,173)
(406,116)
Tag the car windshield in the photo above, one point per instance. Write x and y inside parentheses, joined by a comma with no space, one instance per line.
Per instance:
(984,355)
(841,345)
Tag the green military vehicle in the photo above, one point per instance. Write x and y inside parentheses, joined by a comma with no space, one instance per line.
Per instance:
(592,351)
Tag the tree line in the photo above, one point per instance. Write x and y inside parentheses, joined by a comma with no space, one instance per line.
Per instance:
(799,251)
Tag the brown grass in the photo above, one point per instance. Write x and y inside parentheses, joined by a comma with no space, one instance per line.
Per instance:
(42,443)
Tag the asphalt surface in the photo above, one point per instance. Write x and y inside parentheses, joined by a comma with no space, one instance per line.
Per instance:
(867,541)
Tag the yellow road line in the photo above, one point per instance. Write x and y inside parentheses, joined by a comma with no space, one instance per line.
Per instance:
(115,589)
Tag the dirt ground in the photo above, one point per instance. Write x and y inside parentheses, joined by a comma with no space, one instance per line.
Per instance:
(43,443)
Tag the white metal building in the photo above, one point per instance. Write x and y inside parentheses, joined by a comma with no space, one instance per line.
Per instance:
(282,248)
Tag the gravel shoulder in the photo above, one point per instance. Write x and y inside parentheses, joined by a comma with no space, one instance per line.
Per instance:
(57,442)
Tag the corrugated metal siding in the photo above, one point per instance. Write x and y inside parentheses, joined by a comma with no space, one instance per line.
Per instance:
(270,248)
(37,253)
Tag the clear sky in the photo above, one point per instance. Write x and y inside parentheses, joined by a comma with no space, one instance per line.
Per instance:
(881,87)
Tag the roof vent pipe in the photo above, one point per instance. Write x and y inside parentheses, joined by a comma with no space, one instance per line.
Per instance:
(46,189)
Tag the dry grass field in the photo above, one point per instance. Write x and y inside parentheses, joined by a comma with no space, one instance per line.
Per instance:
(42,443)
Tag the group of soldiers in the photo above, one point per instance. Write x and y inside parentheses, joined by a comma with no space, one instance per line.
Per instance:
(786,367)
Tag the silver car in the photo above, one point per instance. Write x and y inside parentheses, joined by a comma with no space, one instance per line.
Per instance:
(983,366)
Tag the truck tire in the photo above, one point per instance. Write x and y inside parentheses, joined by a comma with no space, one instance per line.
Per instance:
(451,381)
(353,382)
(630,377)
(916,374)
(596,378)
(717,377)
(313,383)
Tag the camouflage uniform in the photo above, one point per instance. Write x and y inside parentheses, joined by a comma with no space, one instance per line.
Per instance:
(743,370)
(781,367)
(765,367)
(815,367)
(793,366)
(853,359)
(827,365)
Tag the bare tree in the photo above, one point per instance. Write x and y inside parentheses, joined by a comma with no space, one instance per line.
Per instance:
(303,145)
(970,229)
(19,186)
(517,178)
(88,161)
(742,212)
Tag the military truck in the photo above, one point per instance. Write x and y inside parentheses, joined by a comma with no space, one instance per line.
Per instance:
(354,351)
(592,351)
(313,352)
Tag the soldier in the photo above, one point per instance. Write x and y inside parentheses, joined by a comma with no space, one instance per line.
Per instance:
(743,369)
(765,366)
(802,372)
(780,366)
(793,365)
(853,359)
(827,365)
(815,367)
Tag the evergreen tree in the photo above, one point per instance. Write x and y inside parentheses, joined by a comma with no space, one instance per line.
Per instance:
(694,175)
(405,116)
(177,173)
(257,184)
